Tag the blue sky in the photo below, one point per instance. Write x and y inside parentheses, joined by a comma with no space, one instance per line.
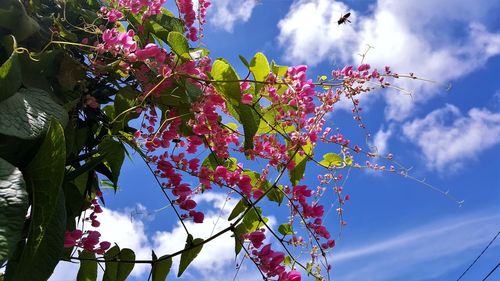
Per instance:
(398,229)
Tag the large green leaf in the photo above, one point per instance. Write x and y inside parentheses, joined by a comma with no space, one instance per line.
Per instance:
(238,209)
(250,120)
(13,18)
(114,155)
(116,270)
(14,205)
(111,270)
(259,66)
(230,90)
(27,114)
(124,268)
(124,100)
(276,194)
(179,44)
(223,71)
(88,267)
(70,73)
(44,176)
(269,125)
(300,160)
(188,256)
(10,70)
(161,25)
(39,74)
(161,268)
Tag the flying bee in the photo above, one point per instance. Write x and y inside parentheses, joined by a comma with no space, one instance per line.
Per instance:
(344,19)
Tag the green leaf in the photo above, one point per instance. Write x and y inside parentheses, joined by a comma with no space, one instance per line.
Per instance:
(223,71)
(44,177)
(161,25)
(259,66)
(297,173)
(89,165)
(88,268)
(232,126)
(238,209)
(179,44)
(10,70)
(193,93)
(244,61)
(124,268)
(230,90)
(251,222)
(114,155)
(285,229)
(331,159)
(13,18)
(39,74)
(276,195)
(125,99)
(14,205)
(269,125)
(70,73)
(238,241)
(161,268)
(250,120)
(287,261)
(27,114)
(212,161)
(188,256)
(279,70)
(111,270)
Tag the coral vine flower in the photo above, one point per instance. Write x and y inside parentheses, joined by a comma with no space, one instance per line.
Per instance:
(246,99)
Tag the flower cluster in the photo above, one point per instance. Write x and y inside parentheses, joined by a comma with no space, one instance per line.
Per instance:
(90,239)
(184,136)
(144,7)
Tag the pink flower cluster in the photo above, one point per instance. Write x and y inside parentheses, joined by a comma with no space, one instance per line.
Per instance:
(88,240)
(269,262)
(186,8)
(117,42)
(145,7)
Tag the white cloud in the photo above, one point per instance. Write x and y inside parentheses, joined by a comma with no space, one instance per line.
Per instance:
(444,244)
(226,13)
(448,138)
(381,141)
(441,40)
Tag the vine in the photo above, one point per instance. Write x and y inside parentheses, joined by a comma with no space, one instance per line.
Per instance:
(85,83)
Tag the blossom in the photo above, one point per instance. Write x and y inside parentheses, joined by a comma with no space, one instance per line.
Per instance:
(246,99)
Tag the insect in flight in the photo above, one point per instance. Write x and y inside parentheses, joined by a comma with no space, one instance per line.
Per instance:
(344,19)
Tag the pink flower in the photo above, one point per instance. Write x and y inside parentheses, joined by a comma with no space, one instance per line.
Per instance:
(256,238)
(294,275)
(188,204)
(197,216)
(244,86)
(114,15)
(247,99)
(363,67)
(105,245)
